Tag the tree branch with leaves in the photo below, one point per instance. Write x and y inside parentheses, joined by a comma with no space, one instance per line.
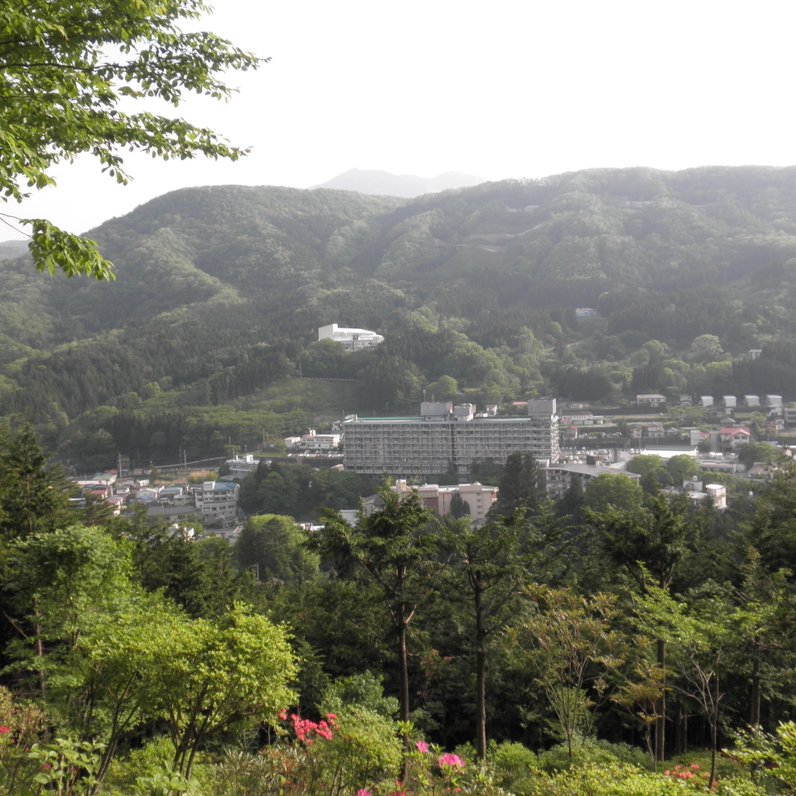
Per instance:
(68,73)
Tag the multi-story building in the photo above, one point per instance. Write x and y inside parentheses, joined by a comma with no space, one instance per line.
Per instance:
(446,437)
(217,502)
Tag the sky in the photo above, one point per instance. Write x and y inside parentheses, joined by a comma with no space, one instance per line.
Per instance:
(505,89)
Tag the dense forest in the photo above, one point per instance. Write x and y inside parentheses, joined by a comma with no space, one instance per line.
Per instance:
(618,641)
(593,286)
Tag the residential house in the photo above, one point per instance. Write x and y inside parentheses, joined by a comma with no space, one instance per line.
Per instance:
(734,437)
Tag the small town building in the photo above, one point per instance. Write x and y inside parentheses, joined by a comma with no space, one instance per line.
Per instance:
(650,399)
(217,502)
(735,436)
(240,466)
(789,416)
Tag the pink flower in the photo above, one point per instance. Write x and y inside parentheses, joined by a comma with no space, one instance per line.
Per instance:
(4,730)
(364,792)
(282,715)
(450,761)
(422,747)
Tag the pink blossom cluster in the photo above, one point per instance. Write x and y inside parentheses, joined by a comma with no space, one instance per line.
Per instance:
(307,730)
(685,773)
(450,761)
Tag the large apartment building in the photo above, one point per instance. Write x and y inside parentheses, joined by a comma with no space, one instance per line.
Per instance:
(445,437)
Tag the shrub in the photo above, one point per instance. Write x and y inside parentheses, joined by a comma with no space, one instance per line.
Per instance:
(515,767)
(590,751)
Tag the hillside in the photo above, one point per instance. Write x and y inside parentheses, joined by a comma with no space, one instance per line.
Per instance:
(220,292)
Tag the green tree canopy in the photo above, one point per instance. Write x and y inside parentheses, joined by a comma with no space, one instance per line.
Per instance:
(275,546)
(611,490)
(682,468)
(66,71)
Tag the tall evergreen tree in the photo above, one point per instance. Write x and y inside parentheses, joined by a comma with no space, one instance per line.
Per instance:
(394,550)
(32,495)
(522,485)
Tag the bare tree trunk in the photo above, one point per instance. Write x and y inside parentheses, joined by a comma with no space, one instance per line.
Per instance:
(714,734)
(754,711)
(660,710)
(403,659)
(40,654)
(480,676)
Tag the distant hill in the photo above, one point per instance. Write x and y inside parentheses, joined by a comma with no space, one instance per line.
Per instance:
(9,249)
(382,183)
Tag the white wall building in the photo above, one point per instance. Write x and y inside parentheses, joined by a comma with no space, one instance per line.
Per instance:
(241,466)
(312,441)
(351,339)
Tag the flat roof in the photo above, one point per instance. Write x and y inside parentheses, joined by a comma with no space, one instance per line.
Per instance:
(591,469)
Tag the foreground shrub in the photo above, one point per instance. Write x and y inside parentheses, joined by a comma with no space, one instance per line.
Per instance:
(515,767)
(613,779)
(590,751)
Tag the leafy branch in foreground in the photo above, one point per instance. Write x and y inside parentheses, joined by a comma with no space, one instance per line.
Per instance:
(65,71)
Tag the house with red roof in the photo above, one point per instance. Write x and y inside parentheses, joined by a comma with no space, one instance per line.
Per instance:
(735,436)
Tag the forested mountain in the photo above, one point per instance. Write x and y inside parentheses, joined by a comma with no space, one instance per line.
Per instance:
(220,292)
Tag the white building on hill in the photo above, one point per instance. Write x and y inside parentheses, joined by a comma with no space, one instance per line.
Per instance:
(350,339)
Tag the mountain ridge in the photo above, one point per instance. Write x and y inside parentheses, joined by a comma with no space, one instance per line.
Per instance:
(376,182)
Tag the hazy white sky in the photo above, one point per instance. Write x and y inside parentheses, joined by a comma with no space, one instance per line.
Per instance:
(509,88)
